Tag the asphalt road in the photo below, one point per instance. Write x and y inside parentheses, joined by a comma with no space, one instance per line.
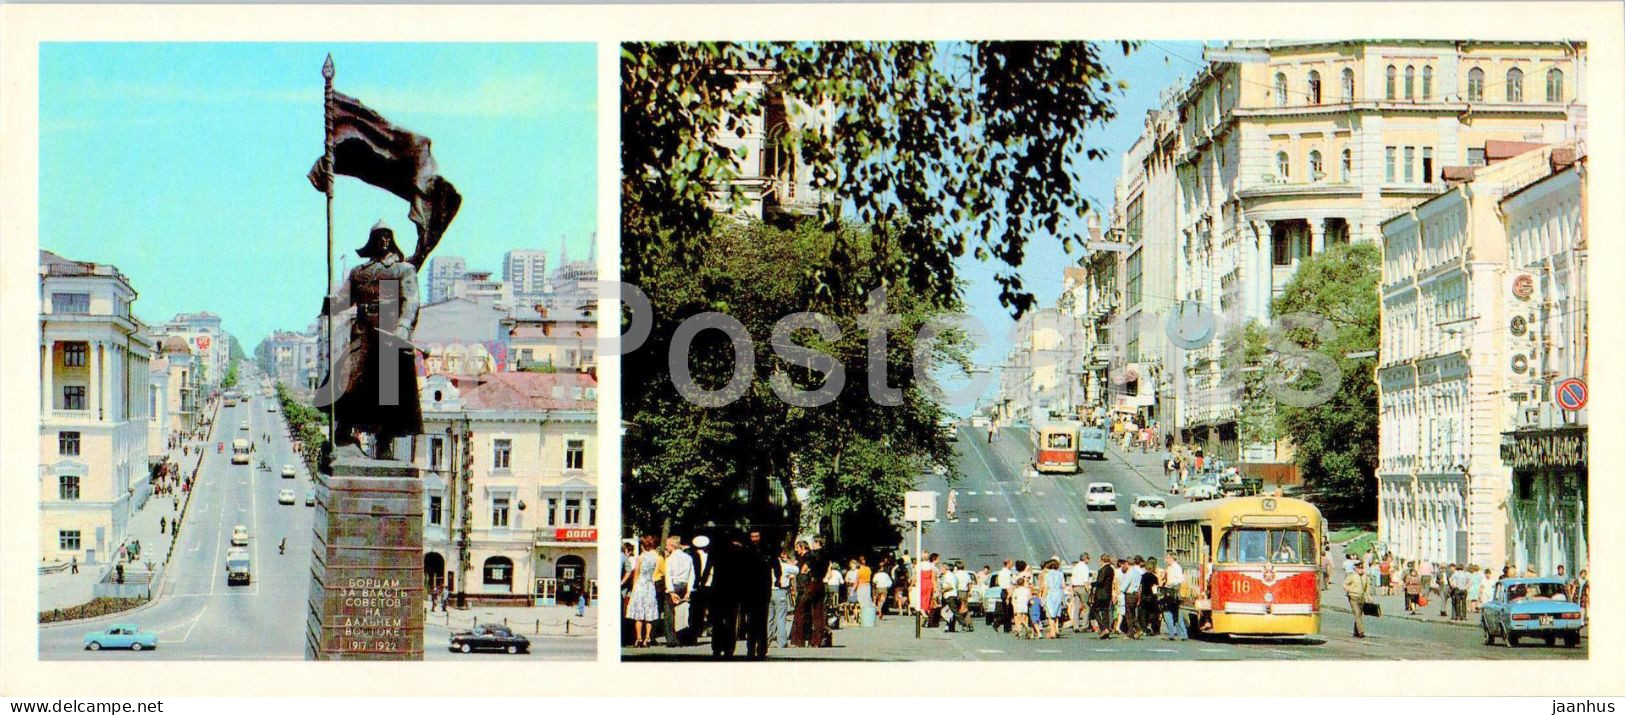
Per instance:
(197,616)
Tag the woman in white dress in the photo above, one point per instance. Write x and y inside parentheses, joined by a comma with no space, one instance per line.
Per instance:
(643,609)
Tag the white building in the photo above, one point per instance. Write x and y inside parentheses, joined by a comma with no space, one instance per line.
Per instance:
(442,271)
(524,270)
(208,341)
(1443,373)
(94,396)
(511,485)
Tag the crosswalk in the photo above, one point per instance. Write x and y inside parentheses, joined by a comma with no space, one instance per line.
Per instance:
(1031,520)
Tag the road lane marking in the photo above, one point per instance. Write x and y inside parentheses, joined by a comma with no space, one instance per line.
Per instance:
(1163,650)
(1105,650)
(1045,650)
(1120,520)
(989,650)
(1213,650)
(1010,521)
(1061,520)
(973,520)
(1091,520)
(1040,494)
(1031,520)
(970,494)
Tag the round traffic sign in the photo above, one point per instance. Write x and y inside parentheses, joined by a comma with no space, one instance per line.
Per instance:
(1523,286)
(1571,394)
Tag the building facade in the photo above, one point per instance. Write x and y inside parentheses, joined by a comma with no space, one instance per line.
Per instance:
(209,342)
(94,398)
(511,486)
(524,270)
(1306,144)
(442,271)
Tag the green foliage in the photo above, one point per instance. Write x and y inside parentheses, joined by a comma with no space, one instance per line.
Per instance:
(1336,440)
(309,426)
(690,465)
(935,148)
(230,380)
(1245,359)
(91,609)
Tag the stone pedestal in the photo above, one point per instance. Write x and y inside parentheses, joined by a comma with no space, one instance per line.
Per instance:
(366,573)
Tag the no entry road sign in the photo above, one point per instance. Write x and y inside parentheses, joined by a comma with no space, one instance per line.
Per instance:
(1571,394)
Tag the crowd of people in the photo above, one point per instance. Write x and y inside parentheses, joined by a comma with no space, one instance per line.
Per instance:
(1459,590)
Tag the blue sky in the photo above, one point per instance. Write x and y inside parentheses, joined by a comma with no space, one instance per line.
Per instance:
(1148,70)
(184,163)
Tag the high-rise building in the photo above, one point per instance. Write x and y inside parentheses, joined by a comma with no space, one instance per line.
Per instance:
(524,270)
(94,399)
(443,270)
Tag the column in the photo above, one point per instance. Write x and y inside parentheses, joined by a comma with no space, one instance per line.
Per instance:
(47,373)
(93,388)
(1317,236)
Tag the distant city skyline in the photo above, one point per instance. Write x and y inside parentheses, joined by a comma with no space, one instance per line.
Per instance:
(194,157)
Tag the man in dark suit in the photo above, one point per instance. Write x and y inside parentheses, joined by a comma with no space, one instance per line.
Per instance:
(700,599)
(727,564)
(1100,605)
(817,593)
(759,570)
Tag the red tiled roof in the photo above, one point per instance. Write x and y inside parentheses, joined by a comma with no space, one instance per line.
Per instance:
(530,391)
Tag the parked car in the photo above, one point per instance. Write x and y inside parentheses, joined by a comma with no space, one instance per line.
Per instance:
(310,497)
(121,635)
(1100,495)
(285,496)
(1148,510)
(287,471)
(489,637)
(239,535)
(1531,608)
(1202,489)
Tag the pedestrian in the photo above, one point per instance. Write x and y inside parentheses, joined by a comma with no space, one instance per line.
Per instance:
(726,589)
(163,524)
(1054,597)
(1020,605)
(801,620)
(778,619)
(642,608)
(1150,597)
(1029,476)
(1413,589)
(1474,583)
(1133,580)
(1358,591)
(819,569)
(865,593)
(1460,582)
(953,503)
(1386,570)
(1078,604)
(759,574)
(1447,591)
(678,586)
(1582,592)
(882,588)
(925,578)
(73,564)
(1173,581)
(282,547)
(1102,597)
(1425,572)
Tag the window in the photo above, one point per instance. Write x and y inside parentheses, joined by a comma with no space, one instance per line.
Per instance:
(1410,161)
(1390,92)
(1133,281)
(1281,248)
(1475,85)
(1280,89)
(592,512)
(1316,171)
(1554,85)
(1135,214)
(1348,85)
(67,444)
(1427,165)
(572,511)
(575,454)
(68,540)
(73,354)
(1410,82)
(73,397)
(1514,85)
(499,512)
(1283,166)
(552,511)
(1280,546)
(1427,82)
(437,506)
(1389,163)
(1314,87)
(67,488)
(437,451)
(525,355)
(1348,164)
(70,303)
(498,571)
(501,453)
(1475,156)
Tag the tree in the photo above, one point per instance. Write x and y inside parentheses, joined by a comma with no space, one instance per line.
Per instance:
(1246,358)
(1327,401)
(934,148)
(743,462)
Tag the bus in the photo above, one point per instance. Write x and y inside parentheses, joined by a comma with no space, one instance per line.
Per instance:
(1057,447)
(239,451)
(1250,565)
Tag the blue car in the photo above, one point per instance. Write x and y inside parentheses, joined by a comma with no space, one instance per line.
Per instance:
(122,635)
(1532,608)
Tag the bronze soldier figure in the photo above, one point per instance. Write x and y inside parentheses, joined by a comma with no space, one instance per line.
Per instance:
(373,388)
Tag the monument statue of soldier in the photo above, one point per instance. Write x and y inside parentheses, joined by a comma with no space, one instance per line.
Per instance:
(372,388)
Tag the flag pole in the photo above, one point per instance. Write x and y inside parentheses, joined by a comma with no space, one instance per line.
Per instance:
(327,283)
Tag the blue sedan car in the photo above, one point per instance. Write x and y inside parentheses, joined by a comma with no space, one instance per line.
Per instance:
(122,635)
(1532,608)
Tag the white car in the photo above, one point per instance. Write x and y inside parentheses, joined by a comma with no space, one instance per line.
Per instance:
(1148,510)
(1100,495)
(239,535)
(243,426)
(287,471)
(285,496)
(1202,491)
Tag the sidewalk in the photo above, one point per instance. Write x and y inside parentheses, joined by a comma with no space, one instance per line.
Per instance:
(538,620)
(1334,598)
(62,589)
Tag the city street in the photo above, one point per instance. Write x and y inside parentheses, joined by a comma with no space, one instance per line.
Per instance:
(196,615)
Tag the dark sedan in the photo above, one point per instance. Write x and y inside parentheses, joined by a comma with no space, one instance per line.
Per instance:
(489,637)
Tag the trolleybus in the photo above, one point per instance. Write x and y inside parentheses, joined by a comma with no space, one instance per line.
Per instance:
(1057,445)
(1250,565)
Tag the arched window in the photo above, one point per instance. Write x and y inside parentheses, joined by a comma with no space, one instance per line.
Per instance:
(1427,82)
(1392,75)
(1280,89)
(1348,165)
(1283,166)
(1514,85)
(1554,85)
(1475,85)
(1348,85)
(1314,87)
(498,571)
(1316,171)
(1410,82)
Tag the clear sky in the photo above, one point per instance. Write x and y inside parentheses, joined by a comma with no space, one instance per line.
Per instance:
(1148,70)
(184,163)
